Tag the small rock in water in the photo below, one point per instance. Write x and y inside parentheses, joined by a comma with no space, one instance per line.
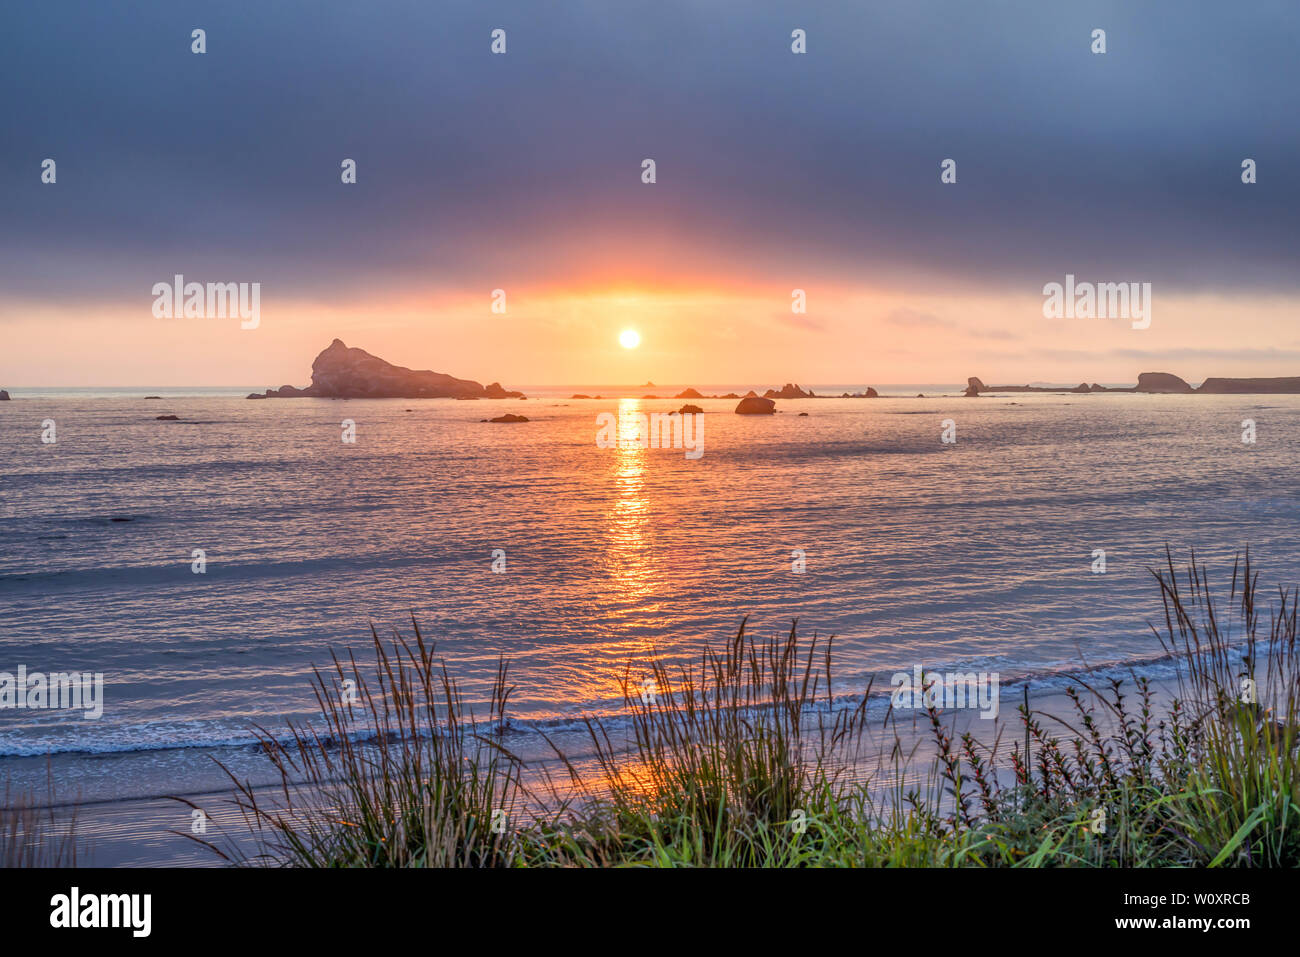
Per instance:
(167,418)
(755,405)
(508,417)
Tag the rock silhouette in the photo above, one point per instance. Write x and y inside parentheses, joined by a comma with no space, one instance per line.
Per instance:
(755,405)
(340,372)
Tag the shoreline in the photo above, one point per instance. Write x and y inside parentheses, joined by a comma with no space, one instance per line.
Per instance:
(138,830)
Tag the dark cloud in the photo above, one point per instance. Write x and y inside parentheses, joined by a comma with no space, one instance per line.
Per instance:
(1123,166)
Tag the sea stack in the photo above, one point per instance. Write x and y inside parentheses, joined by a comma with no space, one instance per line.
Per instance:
(1161,382)
(755,405)
(343,373)
(788,391)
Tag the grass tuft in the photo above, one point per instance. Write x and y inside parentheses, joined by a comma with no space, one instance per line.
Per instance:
(746,759)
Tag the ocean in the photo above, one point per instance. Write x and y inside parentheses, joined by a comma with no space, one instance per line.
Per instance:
(576,562)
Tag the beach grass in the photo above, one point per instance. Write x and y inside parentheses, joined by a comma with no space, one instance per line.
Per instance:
(397,774)
(747,759)
(32,834)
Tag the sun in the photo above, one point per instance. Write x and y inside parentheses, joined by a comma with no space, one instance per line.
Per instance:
(629,338)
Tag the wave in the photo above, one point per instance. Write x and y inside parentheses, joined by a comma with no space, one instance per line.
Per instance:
(219,572)
(1043,682)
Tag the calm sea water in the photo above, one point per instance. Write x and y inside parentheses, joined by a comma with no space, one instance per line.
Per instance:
(977,554)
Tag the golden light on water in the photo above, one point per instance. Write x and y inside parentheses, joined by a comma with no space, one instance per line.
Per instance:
(629,515)
(633,575)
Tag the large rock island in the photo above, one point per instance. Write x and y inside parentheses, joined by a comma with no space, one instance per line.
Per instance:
(343,373)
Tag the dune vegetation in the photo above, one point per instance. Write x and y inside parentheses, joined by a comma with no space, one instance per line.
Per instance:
(740,761)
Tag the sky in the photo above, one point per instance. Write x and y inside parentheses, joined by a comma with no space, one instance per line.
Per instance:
(775,171)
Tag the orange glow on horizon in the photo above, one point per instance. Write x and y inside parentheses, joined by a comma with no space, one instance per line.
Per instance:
(723,332)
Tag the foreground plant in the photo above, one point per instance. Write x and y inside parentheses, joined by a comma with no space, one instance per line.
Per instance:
(1214,780)
(401,774)
(1240,803)
(33,835)
(729,761)
(745,760)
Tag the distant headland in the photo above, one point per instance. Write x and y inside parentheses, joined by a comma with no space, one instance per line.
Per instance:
(1161,383)
(340,372)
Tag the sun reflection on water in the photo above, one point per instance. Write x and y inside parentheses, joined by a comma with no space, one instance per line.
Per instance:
(631,597)
(629,515)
